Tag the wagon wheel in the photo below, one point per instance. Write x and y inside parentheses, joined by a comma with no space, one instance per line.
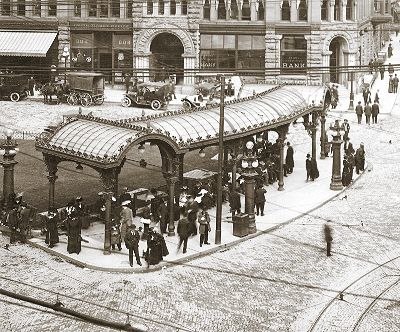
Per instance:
(72,99)
(15,96)
(126,101)
(98,100)
(156,104)
(86,99)
(186,105)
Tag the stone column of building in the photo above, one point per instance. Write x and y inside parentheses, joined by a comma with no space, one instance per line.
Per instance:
(325,63)
(142,65)
(282,131)
(314,11)
(293,11)
(343,10)
(155,8)
(167,7)
(171,179)
(64,37)
(84,9)
(189,61)
(178,8)
(253,10)
(122,9)
(272,57)
(323,135)
(213,10)
(314,56)
(331,10)
(382,7)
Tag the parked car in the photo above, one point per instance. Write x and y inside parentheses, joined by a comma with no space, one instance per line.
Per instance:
(13,87)
(153,94)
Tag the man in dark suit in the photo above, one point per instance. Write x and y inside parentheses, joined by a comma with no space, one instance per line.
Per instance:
(328,239)
(132,238)
(260,200)
(308,166)
(359,112)
(375,112)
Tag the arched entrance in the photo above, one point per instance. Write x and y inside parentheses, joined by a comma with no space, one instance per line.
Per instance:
(338,47)
(166,57)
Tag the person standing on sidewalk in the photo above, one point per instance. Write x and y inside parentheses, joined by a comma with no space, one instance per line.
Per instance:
(382,71)
(359,112)
(376,99)
(368,112)
(204,226)
(234,202)
(359,159)
(346,127)
(328,239)
(390,69)
(183,231)
(395,83)
(375,112)
(289,161)
(131,239)
(391,84)
(260,200)
(390,51)
(308,166)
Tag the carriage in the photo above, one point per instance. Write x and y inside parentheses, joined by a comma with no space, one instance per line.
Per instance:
(153,94)
(13,87)
(85,88)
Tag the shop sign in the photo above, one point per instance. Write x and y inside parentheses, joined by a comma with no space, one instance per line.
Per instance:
(122,42)
(294,62)
(82,40)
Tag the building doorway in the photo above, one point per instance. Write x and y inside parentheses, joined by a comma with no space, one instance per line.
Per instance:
(338,47)
(166,58)
(105,65)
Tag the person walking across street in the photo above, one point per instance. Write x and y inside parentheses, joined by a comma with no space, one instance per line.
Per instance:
(382,71)
(375,112)
(183,231)
(368,112)
(328,239)
(395,83)
(260,200)
(359,112)
(131,239)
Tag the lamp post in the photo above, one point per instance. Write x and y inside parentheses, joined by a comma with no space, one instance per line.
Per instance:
(8,149)
(351,105)
(337,130)
(249,164)
(65,55)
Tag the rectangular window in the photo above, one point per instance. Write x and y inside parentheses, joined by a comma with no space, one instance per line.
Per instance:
(149,7)
(184,7)
(52,8)
(6,8)
(21,8)
(92,8)
(129,8)
(77,9)
(36,8)
(172,7)
(293,54)
(160,7)
(104,9)
(115,8)
(206,10)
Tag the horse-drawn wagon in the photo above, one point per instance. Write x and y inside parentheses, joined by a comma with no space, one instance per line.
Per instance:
(85,89)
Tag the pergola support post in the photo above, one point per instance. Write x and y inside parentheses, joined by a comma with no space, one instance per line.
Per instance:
(282,132)
(51,165)
(323,136)
(171,180)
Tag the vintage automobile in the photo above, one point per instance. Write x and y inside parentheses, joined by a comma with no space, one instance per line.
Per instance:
(153,94)
(85,88)
(13,86)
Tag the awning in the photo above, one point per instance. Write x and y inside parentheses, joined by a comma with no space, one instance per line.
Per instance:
(26,43)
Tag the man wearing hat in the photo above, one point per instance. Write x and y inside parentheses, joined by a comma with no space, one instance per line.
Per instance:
(346,127)
(308,166)
(24,216)
(359,158)
(131,239)
(12,222)
(81,212)
(359,112)
(51,228)
(126,217)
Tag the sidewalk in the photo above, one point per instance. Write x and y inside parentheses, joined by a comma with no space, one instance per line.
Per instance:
(298,198)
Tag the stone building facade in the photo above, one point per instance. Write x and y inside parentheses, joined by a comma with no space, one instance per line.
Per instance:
(272,40)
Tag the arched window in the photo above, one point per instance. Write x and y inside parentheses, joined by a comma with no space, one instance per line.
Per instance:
(303,10)
(206,10)
(349,10)
(285,12)
(261,11)
(246,10)
(324,10)
(338,5)
(160,7)
(172,7)
(221,10)
(234,9)
(149,7)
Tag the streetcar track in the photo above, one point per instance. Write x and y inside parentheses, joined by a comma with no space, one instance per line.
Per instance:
(330,303)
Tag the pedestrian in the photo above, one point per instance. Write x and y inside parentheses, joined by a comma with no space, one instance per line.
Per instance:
(370,66)
(124,196)
(24,216)
(328,239)
(81,212)
(204,226)
(390,87)
(116,235)
(260,200)
(127,82)
(164,216)
(382,71)
(171,87)
(326,146)
(390,51)
(183,231)
(308,166)
(348,146)
(359,112)
(234,202)
(192,219)
(230,90)
(346,172)
(31,86)
(375,112)
(359,159)
(12,223)
(314,169)
(395,83)
(289,161)
(51,222)
(74,227)
(368,112)
(346,127)
(376,99)
(390,69)
(131,239)
(126,217)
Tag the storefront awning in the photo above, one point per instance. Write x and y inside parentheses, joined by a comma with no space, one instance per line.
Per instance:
(26,43)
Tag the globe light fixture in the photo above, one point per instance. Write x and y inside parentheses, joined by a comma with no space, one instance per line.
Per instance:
(202,153)
(141,148)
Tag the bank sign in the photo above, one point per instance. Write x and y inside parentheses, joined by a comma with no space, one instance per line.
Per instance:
(294,63)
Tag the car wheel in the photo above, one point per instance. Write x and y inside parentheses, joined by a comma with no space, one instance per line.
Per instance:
(15,96)
(156,104)
(186,105)
(126,102)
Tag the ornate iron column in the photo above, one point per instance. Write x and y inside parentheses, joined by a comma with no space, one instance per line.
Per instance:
(337,130)
(323,134)
(8,148)
(282,131)
(171,178)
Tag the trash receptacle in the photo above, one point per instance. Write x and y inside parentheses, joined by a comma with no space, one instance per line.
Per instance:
(240,224)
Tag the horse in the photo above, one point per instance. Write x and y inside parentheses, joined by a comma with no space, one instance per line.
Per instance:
(50,89)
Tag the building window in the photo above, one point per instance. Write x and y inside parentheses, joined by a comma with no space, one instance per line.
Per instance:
(52,8)
(303,10)
(6,8)
(115,8)
(246,10)
(206,10)
(92,8)
(324,10)
(21,7)
(261,11)
(149,7)
(285,11)
(129,8)
(184,7)
(161,7)
(293,54)
(338,5)
(234,13)
(36,8)
(172,7)
(221,10)
(104,9)
(77,9)
(349,10)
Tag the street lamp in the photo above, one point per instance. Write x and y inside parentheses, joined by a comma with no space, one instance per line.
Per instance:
(8,149)
(336,130)
(351,105)
(249,165)
(65,55)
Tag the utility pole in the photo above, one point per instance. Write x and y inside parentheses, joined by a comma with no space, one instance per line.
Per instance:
(220,162)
